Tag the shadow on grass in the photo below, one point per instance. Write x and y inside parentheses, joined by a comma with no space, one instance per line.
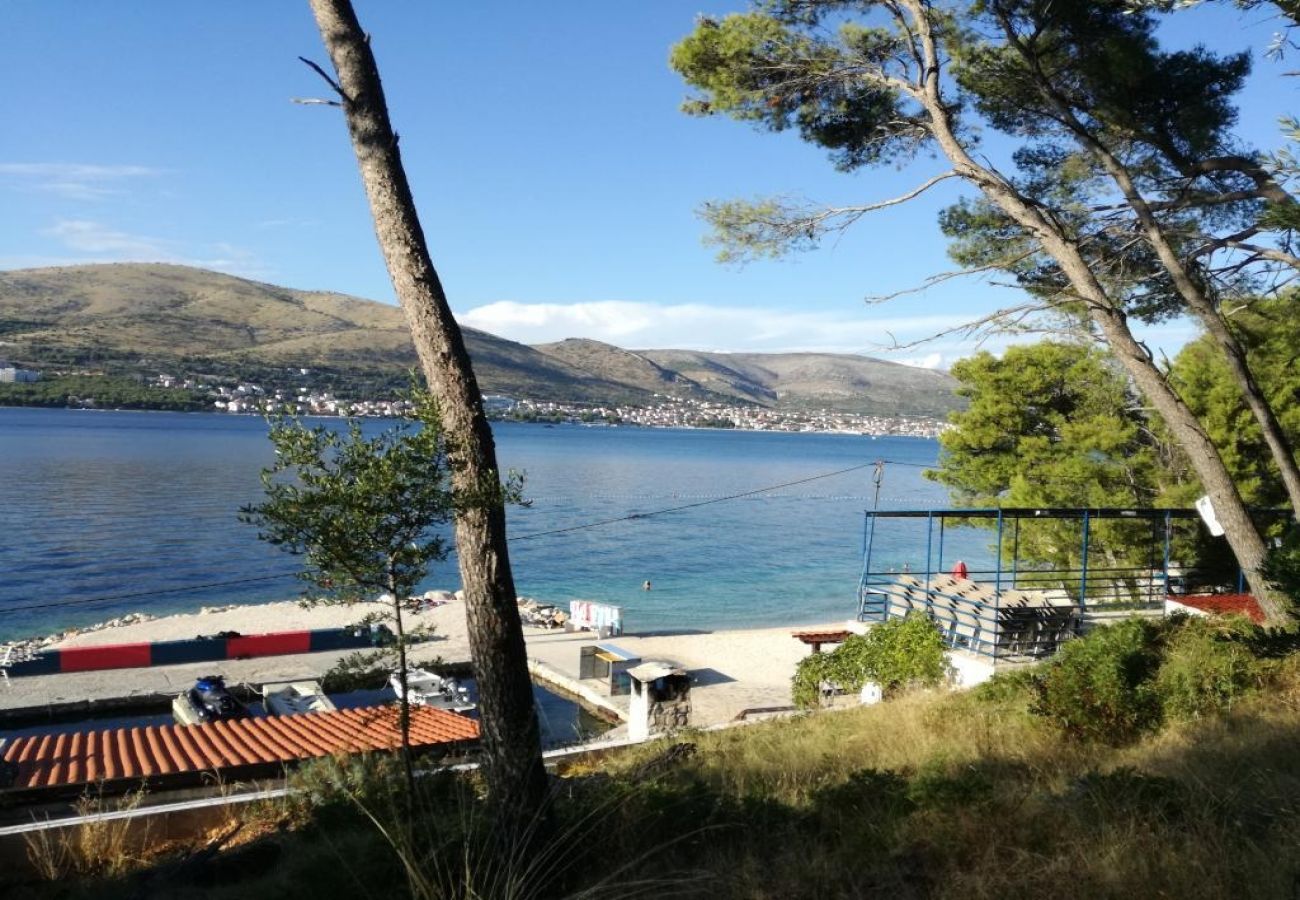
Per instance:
(823,807)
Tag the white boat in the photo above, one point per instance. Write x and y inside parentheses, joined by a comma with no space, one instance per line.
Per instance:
(285,698)
(430,689)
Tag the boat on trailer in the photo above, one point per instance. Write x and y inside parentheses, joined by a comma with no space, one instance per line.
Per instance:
(208,701)
(431,689)
(287,698)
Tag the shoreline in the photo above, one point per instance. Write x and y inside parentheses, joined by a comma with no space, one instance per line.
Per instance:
(733,669)
(217,412)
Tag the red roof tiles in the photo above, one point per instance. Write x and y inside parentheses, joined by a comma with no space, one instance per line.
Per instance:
(154,752)
(1223,604)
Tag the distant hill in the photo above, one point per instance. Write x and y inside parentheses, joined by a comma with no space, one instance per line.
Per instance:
(837,381)
(130,317)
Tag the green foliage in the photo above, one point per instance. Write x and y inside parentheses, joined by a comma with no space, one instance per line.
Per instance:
(1014,687)
(1282,566)
(918,798)
(897,653)
(101,392)
(1123,680)
(1106,67)
(1101,688)
(1067,81)
(1207,667)
(361,511)
(814,670)
(1052,424)
(755,67)
(938,786)
(1269,330)
(1083,438)
(1078,85)
(1049,424)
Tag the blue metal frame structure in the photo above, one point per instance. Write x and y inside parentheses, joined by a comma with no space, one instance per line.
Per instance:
(1030,611)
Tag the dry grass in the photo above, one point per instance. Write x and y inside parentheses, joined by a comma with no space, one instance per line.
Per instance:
(1002,806)
(930,795)
(99,846)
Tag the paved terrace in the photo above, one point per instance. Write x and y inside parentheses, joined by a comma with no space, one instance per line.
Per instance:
(734,670)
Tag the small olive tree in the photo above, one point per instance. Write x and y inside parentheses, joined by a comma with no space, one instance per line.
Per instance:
(363,512)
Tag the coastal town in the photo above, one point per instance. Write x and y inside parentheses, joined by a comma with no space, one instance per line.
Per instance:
(670,412)
(253,398)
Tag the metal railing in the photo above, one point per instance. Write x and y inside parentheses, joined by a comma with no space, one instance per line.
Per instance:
(1025,617)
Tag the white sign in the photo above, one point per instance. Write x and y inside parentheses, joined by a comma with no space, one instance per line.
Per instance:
(1206,509)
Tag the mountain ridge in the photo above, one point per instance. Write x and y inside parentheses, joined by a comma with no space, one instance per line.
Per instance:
(137,317)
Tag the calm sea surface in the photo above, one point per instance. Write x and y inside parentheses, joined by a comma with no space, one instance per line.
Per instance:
(103,513)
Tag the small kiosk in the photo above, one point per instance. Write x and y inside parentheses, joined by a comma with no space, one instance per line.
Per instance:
(609,663)
(661,699)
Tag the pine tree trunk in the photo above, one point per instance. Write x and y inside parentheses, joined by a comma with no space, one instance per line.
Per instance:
(512,760)
(1188,287)
(1244,538)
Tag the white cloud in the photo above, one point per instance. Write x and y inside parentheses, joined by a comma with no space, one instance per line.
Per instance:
(703,327)
(931,340)
(929,361)
(100,240)
(73,181)
(83,241)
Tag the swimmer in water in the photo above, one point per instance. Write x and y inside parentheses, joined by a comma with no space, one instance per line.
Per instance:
(646,586)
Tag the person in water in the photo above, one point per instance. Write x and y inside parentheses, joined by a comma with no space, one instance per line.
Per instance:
(646,586)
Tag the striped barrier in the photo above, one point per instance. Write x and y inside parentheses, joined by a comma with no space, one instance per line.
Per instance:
(194,650)
(110,656)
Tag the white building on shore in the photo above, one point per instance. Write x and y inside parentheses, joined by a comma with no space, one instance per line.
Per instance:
(13,375)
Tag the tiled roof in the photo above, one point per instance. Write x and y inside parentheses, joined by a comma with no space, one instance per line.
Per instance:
(1223,604)
(239,747)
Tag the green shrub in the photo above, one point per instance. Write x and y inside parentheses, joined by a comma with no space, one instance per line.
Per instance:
(895,654)
(1013,687)
(1282,565)
(1101,687)
(805,688)
(1207,666)
(1125,679)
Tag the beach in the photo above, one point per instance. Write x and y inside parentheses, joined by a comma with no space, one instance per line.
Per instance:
(733,670)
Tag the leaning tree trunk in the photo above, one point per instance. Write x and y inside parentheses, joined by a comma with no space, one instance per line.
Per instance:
(1188,287)
(1244,538)
(511,741)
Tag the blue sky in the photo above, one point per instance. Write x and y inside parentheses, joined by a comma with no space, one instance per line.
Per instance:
(556,178)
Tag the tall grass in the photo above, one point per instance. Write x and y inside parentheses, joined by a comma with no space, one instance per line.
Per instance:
(929,795)
(97,846)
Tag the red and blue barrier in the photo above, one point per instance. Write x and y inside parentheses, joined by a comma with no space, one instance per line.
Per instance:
(200,649)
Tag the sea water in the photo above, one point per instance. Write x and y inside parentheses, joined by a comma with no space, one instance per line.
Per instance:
(103,513)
